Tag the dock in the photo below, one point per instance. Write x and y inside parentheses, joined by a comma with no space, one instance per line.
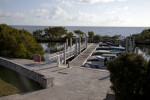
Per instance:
(82,58)
(74,83)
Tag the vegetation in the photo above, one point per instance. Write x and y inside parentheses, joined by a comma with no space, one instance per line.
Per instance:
(38,34)
(115,38)
(18,43)
(55,32)
(61,34)
(97,37)
(91,35)
(13,83)
(52,34)
(143,37)
(105,38)
(69,35)
(130,77)
(79,33)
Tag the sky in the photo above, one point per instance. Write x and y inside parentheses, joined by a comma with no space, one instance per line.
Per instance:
(75,12)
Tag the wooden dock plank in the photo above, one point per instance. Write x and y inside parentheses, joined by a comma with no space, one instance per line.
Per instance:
(82,58)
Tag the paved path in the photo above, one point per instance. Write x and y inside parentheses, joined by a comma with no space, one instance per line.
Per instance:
(75,83)
(82,58)
(71,84)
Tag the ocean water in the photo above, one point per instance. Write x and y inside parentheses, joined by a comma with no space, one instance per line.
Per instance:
(124,31)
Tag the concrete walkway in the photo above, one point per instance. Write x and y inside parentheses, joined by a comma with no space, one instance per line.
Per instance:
(75,83)
(71,84)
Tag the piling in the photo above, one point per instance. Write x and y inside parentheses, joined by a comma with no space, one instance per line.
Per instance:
(76,50)
(67,44)
(58,61)
(70,43)
(127,45)
(65,53)
(136,50)
(79,45)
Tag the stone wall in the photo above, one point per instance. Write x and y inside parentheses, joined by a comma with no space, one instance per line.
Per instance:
(45,81)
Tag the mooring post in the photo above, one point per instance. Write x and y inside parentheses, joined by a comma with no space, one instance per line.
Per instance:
(68,64)
(130,44)
(126,45)
(136,50)
(65,53)
(76,49)
(58,61)
(79,45)
(70,43)
(133,40)
(67,44)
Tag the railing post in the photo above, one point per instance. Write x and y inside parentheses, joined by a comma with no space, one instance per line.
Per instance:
(70,43)
(79,45)
(76,50)
(67,44)
(65,53)
(58,61)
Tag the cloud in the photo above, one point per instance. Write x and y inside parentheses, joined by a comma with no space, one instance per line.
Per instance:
(19,15)
(4,14)
(7,1)
(70,3)
(39,13)
(96,1)
(65,2)
(85,17)
(11,18)
(118,10)
(93,1)
(126,8)
(122,0)
(47,5)
(58,13)
(117,14)
(115,19)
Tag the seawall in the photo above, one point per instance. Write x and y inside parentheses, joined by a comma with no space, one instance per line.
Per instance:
(44,81)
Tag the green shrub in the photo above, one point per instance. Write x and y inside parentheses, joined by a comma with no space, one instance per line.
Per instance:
(18,43)
(130,77)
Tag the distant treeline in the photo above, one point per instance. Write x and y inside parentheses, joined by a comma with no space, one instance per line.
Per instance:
(59,34)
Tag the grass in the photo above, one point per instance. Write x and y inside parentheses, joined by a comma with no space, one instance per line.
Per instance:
(13,83)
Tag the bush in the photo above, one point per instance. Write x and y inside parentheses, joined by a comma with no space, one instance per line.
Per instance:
(130,77)
(18,43)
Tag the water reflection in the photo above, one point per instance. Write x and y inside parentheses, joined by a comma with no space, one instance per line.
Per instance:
(144,50)
(52,47)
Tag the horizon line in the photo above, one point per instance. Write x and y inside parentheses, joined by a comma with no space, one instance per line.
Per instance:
(72,25)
